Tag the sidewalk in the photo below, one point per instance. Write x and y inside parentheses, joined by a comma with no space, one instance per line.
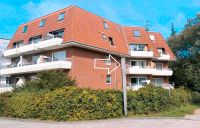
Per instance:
(189,121)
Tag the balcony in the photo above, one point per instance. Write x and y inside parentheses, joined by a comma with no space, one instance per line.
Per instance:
(141,54)
(32,68)
(136,70)
(44,44)
(164,57)
(163,72)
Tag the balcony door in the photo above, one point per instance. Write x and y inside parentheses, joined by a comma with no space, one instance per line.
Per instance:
(158,81)
(159,66)
(137,81)
(59,56)
(138,63)
(137,47)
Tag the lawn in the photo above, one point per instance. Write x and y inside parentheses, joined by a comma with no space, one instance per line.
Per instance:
(173,112)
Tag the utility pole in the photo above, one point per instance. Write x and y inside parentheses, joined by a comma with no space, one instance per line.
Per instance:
(123,64)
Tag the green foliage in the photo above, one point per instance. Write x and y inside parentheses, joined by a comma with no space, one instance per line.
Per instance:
(153,99)
(68,103)
(48,80)
(195,97)
(3,101)
(173,31)
(186,47)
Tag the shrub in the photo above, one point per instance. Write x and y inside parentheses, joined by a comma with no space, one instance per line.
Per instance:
(195,97)
(68,103)
(152,99)
(48,80)
(3,101)
(72,103)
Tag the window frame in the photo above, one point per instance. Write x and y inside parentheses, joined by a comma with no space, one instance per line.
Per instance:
(137,80)
(158,68)
(145,63)
(59,59)
(136,47)
(158,79)
(25,29)
(110,79)
(111,41)
(103,36)
(63,16)
(136,33)
(105,25)
(39,37)
(42,23)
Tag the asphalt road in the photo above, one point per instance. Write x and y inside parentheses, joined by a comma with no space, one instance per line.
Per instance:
(189,121)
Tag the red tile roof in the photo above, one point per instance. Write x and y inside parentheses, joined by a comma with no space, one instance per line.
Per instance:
(87,28)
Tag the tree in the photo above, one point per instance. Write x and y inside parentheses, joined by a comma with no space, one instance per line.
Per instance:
(147,26)
(173,31)
(186,47)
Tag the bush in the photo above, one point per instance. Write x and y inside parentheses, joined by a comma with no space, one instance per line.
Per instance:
(68,103)
(3,101)
(72,103)
(151,99)
(195,97)
(48,80)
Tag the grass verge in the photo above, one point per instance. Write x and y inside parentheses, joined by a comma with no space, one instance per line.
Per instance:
(173,112)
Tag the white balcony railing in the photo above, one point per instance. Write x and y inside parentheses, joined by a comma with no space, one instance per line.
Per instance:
(141,54)
(6,88)
(163,72)
(47,44)
(164,57)
(136,70)
(53,65)
(139,70)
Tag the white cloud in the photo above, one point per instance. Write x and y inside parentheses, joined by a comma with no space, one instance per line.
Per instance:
(36,10)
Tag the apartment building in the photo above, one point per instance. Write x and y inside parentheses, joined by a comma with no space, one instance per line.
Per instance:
(4,79)
(90,48)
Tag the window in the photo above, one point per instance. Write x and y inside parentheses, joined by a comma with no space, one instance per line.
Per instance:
(137,47)
(111,41)
(161,50)
(58,33)
(25,29)
(61,16)
(103,36)
(8,80)
(138,81)
(108,79)
(139,63)
(152,37)
(108,61)
(158,81)
(159,66)
(136,33)
(17,44)
(35,39)
(105,25)
(42,23)
(59,56)
(35,59)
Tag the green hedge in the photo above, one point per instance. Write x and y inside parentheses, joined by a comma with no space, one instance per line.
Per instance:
(68,103)
(71,103)
(151,99)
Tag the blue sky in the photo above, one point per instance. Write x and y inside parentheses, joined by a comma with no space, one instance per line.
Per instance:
(160,13)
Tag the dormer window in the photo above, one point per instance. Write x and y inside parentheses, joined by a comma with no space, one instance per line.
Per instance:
(35,39)
(42,23)
(136,33)
(58,33)
(105,25)
(152,37)
(111,41)
(25,29)
(161,50)
(137,47)
(61,16)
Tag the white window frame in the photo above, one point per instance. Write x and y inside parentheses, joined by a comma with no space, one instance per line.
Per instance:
(108,62)
(158,79)
(137,77)
(110,79)
(156,66)
(145,65)
(61,18)
(105,24)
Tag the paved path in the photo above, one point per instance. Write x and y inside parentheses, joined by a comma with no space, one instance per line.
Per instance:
(189,121)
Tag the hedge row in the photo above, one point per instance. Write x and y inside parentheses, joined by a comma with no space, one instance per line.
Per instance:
(71,103)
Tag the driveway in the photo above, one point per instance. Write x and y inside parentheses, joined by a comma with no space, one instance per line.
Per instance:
(189,121)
